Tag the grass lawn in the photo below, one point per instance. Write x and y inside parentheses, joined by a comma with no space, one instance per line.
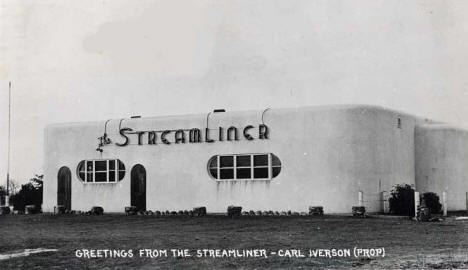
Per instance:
(407,244)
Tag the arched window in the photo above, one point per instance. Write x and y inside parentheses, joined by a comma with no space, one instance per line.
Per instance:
(244,167)
(101,171)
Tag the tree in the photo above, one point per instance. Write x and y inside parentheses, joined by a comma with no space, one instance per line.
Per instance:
(37,180)
(402,200)
(29,194)
(13,187)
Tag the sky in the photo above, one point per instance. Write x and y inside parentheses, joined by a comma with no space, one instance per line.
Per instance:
(72,61)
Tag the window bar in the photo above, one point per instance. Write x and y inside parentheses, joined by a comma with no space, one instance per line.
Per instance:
(85,163)
(107,170)
(234,164)
(116,170)
(94,171)
(217,168)
(252,167)
(269,167)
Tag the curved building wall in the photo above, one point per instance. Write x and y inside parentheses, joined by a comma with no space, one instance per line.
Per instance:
(328,155)
(442,163)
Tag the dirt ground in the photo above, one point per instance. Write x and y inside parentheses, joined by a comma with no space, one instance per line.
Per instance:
(407,244)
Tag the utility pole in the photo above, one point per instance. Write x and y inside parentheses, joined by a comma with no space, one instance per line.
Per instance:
(7,197)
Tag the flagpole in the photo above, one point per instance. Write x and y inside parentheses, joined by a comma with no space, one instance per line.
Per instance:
(7,197)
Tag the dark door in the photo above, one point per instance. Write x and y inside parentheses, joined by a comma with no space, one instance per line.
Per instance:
(138,187)
(64,187)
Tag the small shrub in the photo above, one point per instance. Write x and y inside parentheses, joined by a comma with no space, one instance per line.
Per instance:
(431,200)
(234,211)
(402,200)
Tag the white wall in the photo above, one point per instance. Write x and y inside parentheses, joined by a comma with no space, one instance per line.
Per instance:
(328,155)
(442,163)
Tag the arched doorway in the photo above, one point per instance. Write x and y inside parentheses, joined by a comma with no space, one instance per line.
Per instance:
(64,187)
(138,187)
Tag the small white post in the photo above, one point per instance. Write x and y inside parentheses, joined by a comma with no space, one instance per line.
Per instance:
(360,200)
(444,202)
(416,203)
(385,206)
(7,200)
(466,200)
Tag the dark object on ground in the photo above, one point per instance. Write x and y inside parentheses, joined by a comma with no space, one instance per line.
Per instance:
(30,209)
(130,210)
(359,211)
(97,210)
(157,213)
(234,211)
(431,200)
(402,200)
(424,213)
(199,211)
(4,210)
(59,209)
(316,210)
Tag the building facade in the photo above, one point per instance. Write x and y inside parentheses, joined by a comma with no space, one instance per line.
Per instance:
(273,159)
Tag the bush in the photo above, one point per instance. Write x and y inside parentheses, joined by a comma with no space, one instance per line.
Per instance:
(431,200)
(29,194)
(97,210)
(234,211)
(402,200)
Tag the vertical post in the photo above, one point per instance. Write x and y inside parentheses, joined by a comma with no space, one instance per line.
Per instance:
(385,206)
(466,201)
(7,197)
(360,200)
(444,202)
(416,203)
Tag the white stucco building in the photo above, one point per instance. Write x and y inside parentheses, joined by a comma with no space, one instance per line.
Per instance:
(273,159)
